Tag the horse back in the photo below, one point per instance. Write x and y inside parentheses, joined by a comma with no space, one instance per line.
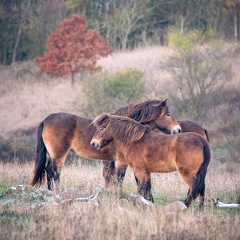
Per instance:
(188,126)
(58,133)
(194,147)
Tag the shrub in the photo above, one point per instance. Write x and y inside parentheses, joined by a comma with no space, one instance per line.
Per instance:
(125,86)
(16,149)
(106,93)
(197,70)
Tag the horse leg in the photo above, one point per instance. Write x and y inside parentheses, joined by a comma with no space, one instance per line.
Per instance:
(109,174)
(144,186)
(121,171)
(196,184)
(201,198)
(190,181)
(113,173)
(194,191)
(52,175)
(137,181)
(53,170)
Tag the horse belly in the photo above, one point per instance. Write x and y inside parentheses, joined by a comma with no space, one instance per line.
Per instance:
(161,156)
(160,161)
(161,167)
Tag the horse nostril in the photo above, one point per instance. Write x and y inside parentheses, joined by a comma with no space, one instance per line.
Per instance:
(95,145)
(176,130)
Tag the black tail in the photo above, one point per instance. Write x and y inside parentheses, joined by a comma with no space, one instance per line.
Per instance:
(199,184)
(206,133)
(40,162)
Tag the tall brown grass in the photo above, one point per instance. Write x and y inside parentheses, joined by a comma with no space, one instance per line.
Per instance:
(27,97)
(118,216)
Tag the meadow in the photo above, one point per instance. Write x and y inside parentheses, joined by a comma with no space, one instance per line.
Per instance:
(118,215)
(27,97)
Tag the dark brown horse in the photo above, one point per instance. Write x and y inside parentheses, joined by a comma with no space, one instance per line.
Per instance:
(146,151)
(114,177)
(60,132)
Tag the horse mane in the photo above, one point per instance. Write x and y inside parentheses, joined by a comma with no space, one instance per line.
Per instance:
(127,130)
(142,112)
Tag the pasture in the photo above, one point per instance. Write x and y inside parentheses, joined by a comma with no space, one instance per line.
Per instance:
(119,215)
(27,97)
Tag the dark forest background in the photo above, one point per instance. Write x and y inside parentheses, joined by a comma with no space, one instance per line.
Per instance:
(126,24)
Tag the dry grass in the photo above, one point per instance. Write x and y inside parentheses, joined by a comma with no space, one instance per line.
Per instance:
(26,98)
(118,217)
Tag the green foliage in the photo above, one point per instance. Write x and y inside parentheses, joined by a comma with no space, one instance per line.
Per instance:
(4,186)
(198,70)
(161,200)
(189,41)
(127,85)
(16,149)
(107,93)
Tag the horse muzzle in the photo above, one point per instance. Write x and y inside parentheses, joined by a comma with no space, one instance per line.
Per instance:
(95,145)
(176,130)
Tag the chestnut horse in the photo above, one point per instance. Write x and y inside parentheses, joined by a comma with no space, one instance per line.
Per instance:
(114,177)
(146,151)
(60,132)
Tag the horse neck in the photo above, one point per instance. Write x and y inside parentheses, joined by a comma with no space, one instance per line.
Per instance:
(120,146)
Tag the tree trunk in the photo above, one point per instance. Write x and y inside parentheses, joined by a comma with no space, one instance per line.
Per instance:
(72,78)
(22,20)
(235,26)
(182,24)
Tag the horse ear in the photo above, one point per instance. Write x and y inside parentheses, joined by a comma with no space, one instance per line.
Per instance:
(164,103)
(100,119)
(103,118)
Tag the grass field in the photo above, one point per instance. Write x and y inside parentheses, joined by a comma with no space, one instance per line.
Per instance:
(27,97)
(119,216)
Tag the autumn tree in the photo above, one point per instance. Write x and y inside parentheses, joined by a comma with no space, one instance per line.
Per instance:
(73,48)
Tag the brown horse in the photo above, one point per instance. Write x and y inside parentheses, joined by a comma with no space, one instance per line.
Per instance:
(60,132)
(188,126)
(114,177)
(146,151)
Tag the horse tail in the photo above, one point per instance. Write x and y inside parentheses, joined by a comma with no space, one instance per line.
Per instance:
(207,135)
(199,184)
(40,161)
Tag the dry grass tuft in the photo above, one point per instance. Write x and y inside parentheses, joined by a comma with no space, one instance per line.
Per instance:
(118,217)
(27,97)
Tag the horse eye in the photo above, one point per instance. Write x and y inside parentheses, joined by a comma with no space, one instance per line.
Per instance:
(101,128)
(168,114)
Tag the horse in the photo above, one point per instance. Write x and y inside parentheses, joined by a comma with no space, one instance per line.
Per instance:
(147,152)
(189,126)
(61,132)
(114,177)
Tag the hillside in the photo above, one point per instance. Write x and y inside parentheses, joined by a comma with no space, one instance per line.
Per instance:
(27,96)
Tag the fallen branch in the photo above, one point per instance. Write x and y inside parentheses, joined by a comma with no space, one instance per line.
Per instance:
(93,199)
(222,204)
(227,205)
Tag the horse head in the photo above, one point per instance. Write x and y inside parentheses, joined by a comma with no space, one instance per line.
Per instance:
(110,127)
(155,114)
(101,137)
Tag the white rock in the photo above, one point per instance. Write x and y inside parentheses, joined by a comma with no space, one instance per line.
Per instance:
(176,206)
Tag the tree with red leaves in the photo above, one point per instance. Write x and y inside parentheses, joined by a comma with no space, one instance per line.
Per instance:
(73,48)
